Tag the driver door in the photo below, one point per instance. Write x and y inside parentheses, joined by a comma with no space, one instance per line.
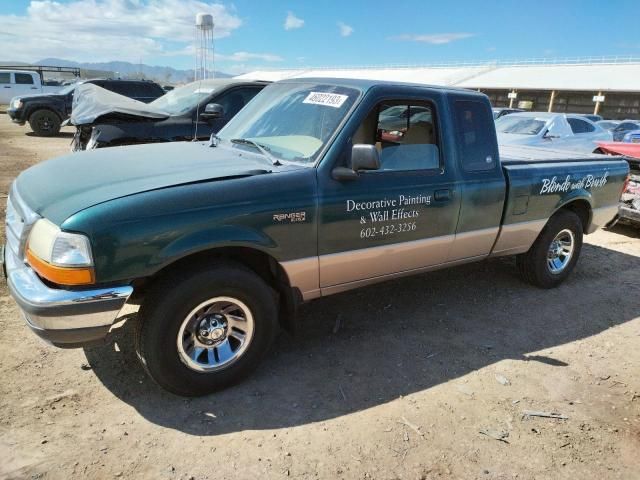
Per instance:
(396,219)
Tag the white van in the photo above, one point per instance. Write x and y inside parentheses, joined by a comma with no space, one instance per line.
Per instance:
(21,82)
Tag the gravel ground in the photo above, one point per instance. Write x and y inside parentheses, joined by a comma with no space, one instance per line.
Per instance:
(424,377)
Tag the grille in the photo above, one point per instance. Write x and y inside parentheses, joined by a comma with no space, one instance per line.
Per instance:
(19,221)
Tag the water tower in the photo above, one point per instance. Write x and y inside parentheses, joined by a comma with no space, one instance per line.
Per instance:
(204,46)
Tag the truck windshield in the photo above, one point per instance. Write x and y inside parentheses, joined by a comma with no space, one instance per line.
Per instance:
(181,100)
(293,121)
(520,125)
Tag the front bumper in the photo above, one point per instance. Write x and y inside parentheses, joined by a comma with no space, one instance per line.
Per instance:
(16,116)
(64,318)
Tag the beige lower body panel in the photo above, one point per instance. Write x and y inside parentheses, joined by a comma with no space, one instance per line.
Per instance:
(473,244)
(517,237)
(304,274)
(366,263)
(382,278)
(601,216)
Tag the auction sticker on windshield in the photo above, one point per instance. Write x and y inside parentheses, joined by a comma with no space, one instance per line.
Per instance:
(328,99)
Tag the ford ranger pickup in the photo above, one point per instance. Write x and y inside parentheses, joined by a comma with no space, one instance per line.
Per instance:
(303,194)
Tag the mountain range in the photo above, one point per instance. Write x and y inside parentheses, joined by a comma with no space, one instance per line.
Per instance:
(163,75)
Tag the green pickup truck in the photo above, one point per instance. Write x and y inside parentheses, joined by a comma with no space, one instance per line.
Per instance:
(316,187)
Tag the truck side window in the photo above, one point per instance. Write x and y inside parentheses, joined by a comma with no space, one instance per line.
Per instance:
(235,100)
(5,77)
(404,134)
(475,145)
(24,79)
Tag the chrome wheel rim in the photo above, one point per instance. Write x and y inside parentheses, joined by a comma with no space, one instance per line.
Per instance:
(561,251)
(215,334)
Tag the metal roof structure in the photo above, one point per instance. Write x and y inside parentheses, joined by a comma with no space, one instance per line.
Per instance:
(605,74)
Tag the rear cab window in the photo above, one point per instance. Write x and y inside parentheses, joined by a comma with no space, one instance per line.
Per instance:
(475,143)
(580,126)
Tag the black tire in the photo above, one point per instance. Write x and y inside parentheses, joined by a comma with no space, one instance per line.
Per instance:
(44,123)
(533,265)
(169,302)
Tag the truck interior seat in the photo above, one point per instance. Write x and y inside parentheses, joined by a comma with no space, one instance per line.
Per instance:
(420,132)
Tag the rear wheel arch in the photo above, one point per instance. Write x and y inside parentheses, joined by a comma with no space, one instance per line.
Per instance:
(582,208)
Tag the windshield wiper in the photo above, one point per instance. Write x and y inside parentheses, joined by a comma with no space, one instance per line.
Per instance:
(262,148)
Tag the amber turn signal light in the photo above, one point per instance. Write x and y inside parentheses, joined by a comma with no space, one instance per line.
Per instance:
(61,275)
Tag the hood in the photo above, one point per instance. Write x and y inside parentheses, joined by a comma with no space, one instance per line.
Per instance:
(37,96)
(620,148)
(58,188)
(92,104)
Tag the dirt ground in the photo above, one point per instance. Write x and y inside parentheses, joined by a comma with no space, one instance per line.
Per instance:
(398,380)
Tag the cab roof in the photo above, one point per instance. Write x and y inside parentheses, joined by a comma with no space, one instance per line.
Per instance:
(366,84)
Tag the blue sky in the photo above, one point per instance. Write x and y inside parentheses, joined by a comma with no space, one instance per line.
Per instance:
(280,34)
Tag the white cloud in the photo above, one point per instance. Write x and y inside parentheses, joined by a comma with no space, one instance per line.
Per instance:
(345,30)
(246,56)
(292,22)
(103,30)
(434,38)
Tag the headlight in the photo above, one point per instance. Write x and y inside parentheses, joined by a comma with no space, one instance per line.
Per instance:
(16,104)
(60,257)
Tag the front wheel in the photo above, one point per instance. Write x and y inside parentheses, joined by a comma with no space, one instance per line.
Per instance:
(207,330)
(555,252)
(44,123)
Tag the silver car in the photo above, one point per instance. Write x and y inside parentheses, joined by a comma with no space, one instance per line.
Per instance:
(552,130)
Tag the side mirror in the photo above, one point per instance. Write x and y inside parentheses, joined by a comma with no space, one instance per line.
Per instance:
(213,110)
(550,136)
(363,157)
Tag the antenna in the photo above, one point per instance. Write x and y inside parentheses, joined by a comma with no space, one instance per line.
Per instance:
(204,47)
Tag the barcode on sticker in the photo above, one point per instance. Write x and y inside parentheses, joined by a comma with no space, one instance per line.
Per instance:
(328,99)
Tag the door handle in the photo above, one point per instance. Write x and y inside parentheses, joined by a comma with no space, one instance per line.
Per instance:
(7,86)
(442,195)
(34,88)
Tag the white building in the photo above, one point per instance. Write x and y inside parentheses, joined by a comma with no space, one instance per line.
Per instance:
(567,85)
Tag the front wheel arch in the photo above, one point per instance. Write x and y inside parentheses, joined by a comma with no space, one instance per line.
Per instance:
(259,262)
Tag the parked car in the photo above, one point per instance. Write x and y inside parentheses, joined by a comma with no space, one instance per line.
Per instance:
(22,82)
(625,127)
(45,113)
(608,125)
(551,130)
(296,198)
(501,112)
(193,111)
(629,208)
(592,116)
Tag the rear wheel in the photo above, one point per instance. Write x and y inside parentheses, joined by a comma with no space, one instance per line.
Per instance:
(207,330)
(555,252)
(44,123)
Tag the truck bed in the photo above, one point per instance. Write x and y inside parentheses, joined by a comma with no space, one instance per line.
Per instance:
(540,181)
(518,155)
